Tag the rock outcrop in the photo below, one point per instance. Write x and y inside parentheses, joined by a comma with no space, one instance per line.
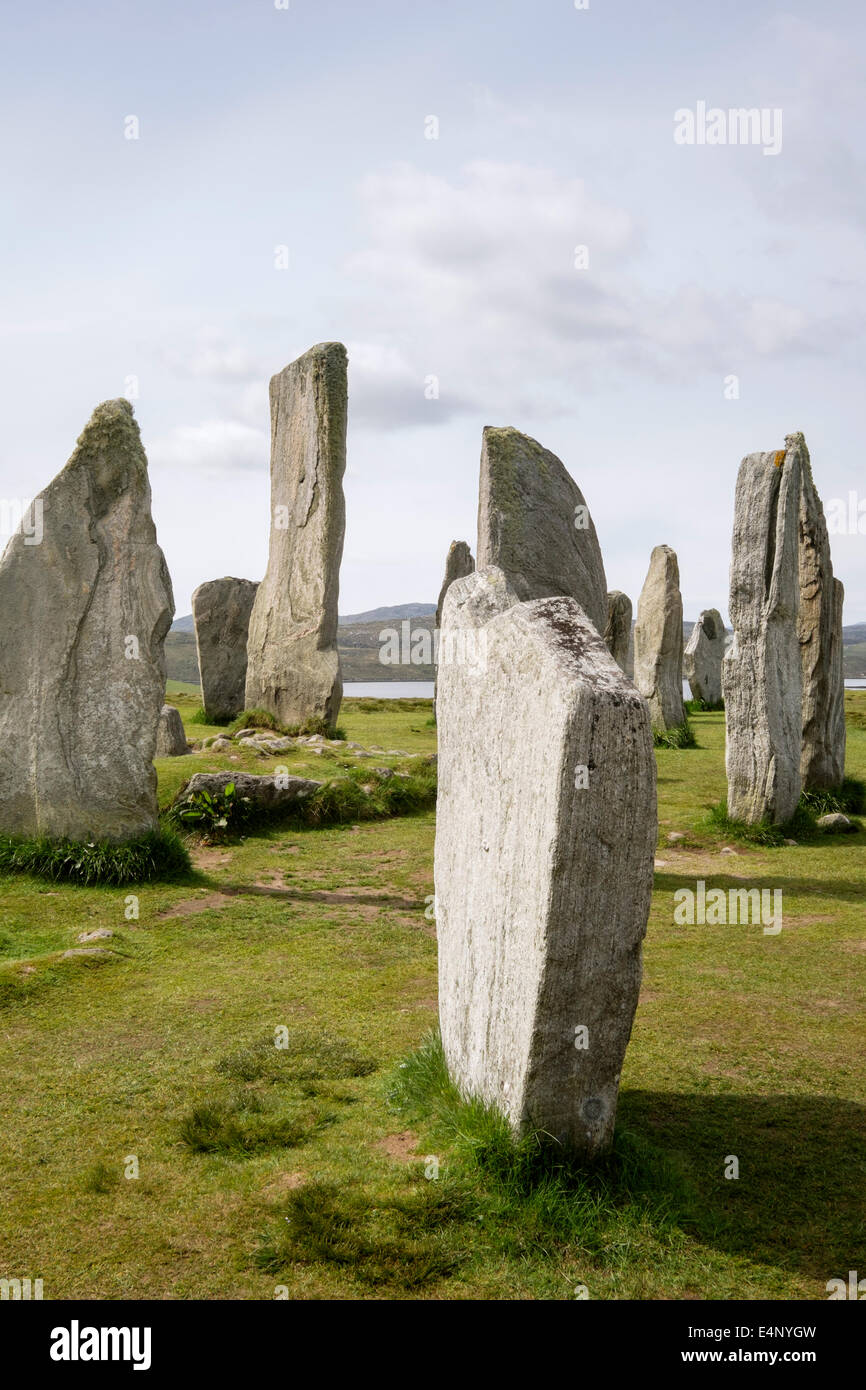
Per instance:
(819,625)
(293,667)
(83,618)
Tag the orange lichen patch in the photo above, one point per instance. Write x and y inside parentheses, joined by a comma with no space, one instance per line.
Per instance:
(780,458)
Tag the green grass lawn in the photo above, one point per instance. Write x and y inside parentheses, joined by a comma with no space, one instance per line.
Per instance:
(160,1059)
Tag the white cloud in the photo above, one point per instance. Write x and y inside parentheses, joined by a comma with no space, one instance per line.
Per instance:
(214,446)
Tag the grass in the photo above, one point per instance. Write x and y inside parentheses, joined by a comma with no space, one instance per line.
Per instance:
(157,855)
(849,799)
(308,1165)
(263,719)
(702,706)
(683,736)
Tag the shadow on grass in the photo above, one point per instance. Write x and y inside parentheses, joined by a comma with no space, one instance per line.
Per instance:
(799,1200)
(797,887)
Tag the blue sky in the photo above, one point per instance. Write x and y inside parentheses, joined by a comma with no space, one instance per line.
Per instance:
(453,257)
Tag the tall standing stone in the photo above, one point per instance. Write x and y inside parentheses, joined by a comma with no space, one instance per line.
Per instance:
(658,640)
(822,762)
(533,521)
(836,729)
(458,563)
(617,631)
(293,667)
(761,671)
(221,611)
(703,657)
(545,835)
(83,616)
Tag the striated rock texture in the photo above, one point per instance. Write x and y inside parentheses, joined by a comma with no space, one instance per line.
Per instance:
(533,521)
(267,793)
(822,760)
(703,657)
(221,611)
(293,668)
(617,631)
(658,640)
(83,618)
(545,835)
(761,671)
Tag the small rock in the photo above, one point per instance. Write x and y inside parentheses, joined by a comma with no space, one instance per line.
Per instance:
(836,823)
(675,835)
(100,934)
(222,745)
(792,843)
(660,863)
(97,951)
(351,744)
(246,733)
(384,772)
(170,737)
(729,849)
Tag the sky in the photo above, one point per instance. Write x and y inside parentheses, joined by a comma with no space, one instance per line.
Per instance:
(194,194)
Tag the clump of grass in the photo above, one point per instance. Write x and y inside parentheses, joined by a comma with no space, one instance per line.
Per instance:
(201,716)
(535,1190)
(801,826)
(702,706)
(396,1241)
(365,795)
(242,1127)
(159,855)
(849,799)
(100,1178)
(304,1057)
(683,736)
(369,704)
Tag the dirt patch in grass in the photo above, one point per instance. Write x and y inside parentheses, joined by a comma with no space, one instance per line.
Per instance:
(190,906)
(400,1146)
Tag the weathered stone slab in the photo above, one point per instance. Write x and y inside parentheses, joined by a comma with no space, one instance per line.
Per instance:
(761,670)
(83,618)
(221,611)
(170,735)
(617,631)
(533,521)
(293,667)
(658,640)
(822,760)
(703,657)
(545,835)
(269,793)
(458,564)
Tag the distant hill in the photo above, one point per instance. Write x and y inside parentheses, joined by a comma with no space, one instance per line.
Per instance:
(360,645)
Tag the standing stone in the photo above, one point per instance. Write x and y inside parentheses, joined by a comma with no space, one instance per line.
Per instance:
(170,736)
(221,613)
(761,670)
(83,618)
(293,667)
(658,640)
(617,631)
(703,657)
(822,761)
(458,564)
(533,521)
(545,835)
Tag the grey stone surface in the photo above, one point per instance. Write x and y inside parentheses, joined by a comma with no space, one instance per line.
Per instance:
(458,564)
(221,611)
(542,884)
(822,759)
(527,509)
(703,657)
(170,737)
(263,791)
(835,823)
(617,631)
(83,618)
(293,667)
(761,670)
(658,640)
